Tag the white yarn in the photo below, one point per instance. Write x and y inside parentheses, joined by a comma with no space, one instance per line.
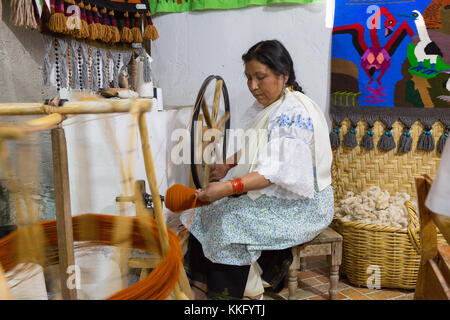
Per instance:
(375,206)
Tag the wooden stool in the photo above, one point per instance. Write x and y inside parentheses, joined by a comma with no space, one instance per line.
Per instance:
(328,243)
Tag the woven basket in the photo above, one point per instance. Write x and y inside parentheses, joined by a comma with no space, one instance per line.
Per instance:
(396,251)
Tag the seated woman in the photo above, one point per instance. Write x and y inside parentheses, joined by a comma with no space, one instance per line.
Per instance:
(281,195)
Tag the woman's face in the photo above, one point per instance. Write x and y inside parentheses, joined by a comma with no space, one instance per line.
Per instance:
(263,83)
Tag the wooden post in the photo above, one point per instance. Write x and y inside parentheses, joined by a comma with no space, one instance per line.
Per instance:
(63,211)
(182,289)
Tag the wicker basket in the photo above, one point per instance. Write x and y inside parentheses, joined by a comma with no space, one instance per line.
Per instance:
(396,251)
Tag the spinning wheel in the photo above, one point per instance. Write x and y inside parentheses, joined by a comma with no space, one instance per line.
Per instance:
(207,132)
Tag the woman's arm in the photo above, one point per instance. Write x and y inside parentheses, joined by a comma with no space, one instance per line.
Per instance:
(218,190)
(218,171)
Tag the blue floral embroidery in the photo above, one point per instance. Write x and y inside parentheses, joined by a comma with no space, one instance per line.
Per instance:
(303,122)
(284,121)
(299,121)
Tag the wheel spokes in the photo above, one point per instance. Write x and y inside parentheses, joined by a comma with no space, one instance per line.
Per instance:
(206,113)
(222,120)
(215,107)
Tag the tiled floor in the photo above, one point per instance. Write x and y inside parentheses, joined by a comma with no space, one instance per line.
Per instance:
(313,284)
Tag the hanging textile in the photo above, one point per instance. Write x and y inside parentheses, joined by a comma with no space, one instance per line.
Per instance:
(157,6)
(393,54)
(111,22)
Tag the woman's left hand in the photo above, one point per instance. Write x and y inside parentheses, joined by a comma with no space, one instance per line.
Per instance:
(214,191)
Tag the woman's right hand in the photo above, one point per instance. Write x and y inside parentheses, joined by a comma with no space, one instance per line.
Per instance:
(218,171)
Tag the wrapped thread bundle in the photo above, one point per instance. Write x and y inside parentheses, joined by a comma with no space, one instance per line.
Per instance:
(179,198)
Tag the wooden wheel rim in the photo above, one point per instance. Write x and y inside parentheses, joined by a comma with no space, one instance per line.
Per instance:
(198,103)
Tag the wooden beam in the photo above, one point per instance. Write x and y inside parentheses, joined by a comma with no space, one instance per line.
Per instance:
(63,211)
(182,289)
(98,106)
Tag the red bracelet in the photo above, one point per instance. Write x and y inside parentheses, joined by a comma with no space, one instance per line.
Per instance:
(238,185)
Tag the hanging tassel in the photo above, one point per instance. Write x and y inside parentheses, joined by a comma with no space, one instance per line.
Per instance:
(137,33)
(426,139)
(350,138)
(22,14)
(83,31)
(58,20)
(126,34)
(114,29)
(386,141)
(100,28)
(367,139)
(84,24)
(335,139)
(150,32)
(107,31)
(443,140)
(405,141)
(93,33)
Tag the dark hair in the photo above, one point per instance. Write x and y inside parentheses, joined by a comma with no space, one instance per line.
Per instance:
(273,54)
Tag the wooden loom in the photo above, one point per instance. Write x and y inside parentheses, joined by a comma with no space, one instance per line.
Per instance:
(141,232)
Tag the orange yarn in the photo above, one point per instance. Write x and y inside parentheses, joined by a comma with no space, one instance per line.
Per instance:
(158,284)
(179,198)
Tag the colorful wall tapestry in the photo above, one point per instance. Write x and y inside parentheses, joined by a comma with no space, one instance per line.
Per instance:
(191,5)
(391,54)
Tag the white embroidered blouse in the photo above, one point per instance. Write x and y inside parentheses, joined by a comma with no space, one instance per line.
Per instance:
(287,160)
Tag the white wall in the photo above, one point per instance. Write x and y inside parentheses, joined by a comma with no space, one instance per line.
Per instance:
(194,45)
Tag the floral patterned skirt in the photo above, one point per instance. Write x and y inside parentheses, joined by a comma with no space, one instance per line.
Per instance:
(235,230)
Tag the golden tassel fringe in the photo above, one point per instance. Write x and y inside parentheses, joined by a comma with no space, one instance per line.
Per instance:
(127,35)
(58,23)
(115,34)
(137,35)
(151,33)
(93,32)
